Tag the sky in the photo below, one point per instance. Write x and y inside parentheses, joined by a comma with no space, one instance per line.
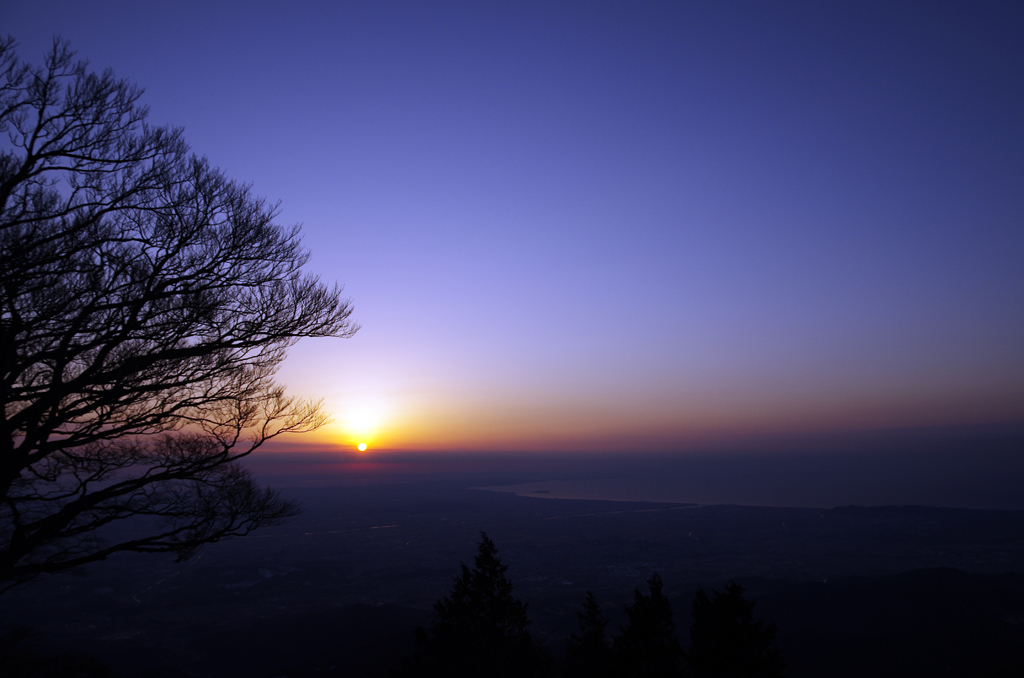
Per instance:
(616,226)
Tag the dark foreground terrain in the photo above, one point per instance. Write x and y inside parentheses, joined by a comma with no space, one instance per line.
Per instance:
(888,591)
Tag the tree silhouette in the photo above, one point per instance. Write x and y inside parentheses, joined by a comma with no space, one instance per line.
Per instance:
(479,629)
(727,642)
(588,653)
(141,292)
(648,646)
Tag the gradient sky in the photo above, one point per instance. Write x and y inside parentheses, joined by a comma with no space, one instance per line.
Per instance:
(575,226)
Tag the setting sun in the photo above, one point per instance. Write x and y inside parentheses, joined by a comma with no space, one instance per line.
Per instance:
(359,422)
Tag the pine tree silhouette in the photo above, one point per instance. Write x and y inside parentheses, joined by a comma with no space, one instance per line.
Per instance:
(648,646)
(588,653)
(726,641)
(479,629)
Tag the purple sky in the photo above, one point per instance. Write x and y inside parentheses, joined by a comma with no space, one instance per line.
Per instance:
(593,226)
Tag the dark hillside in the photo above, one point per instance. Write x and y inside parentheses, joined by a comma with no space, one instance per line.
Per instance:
(851,589)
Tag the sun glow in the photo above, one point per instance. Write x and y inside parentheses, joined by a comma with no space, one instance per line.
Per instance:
(361,422)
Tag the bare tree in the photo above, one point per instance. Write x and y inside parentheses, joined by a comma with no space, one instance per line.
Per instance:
(146,302)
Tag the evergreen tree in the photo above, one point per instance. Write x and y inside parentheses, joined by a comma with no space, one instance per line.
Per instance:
(588,653)
(727,642)
(479,629)
(648,646)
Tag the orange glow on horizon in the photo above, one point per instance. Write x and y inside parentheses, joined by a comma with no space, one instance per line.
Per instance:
(358,423)
(483,426)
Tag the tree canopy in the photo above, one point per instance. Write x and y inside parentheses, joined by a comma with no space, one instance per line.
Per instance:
(647,645)
(480,628)
(146,301)
(588,653)
(727,642)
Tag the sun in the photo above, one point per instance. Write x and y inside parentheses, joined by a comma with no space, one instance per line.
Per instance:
(361,447)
